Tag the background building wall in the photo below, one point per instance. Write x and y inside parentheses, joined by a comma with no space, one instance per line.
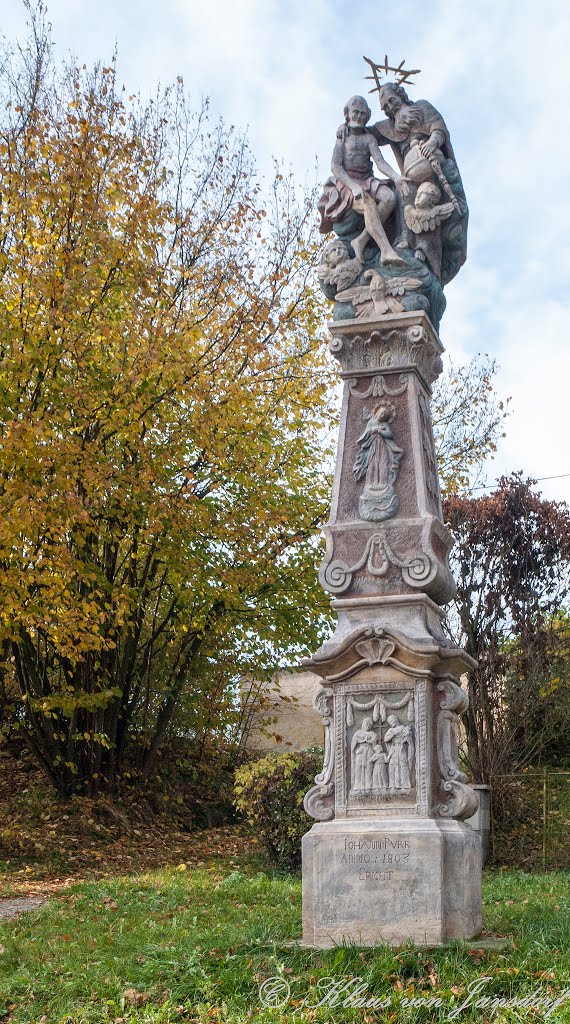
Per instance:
(295,724)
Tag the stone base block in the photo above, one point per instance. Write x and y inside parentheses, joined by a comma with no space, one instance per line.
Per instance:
(391,880)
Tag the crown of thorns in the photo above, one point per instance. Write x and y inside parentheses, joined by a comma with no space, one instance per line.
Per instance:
(400,74)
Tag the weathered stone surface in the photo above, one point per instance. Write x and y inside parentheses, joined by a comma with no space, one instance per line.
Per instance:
(391,881)
(391,697)
(402,340)
(400,239)
(481,821)
(385,534)
(392,707)
(391,859)
(405,556)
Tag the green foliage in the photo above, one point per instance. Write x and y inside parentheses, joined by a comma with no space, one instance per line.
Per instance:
(163,391)
(270,792)
(468,420)
(530,820)
(180,946)
(511,562)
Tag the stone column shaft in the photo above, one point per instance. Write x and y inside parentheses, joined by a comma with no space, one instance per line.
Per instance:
(391,795)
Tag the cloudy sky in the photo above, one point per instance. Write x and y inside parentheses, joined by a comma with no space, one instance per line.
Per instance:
(497,71)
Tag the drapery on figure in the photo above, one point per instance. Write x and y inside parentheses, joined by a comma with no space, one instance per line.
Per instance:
(362,753)
(354,187)
(422,148)
(400,746)
(379,771)
(378,460)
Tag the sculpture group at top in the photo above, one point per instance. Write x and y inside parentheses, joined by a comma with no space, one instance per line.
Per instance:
(402,237)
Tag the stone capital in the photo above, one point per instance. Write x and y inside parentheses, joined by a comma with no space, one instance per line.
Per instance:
(400,341)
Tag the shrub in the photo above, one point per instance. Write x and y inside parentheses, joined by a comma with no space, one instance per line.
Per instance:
(269,793)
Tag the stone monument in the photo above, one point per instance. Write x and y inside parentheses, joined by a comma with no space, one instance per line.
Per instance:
(390,858)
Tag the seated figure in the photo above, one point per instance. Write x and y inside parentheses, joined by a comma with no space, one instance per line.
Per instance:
(354,187)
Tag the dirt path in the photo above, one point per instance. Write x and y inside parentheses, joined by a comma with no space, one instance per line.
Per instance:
(11,909)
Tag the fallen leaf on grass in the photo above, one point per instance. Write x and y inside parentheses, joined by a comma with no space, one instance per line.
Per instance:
(477,954)
(130,995)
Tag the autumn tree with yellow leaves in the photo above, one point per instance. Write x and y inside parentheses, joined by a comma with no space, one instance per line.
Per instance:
(163,393)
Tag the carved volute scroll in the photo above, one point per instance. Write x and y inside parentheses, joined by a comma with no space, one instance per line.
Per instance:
(462,801)
(319,801)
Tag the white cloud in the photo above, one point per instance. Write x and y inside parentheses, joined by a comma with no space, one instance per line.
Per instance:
(535,368)
(496,72)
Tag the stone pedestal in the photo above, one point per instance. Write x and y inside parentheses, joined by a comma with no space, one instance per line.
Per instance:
(390,880)
(390,860)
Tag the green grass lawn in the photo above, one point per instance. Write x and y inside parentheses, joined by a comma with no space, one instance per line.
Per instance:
(195,945)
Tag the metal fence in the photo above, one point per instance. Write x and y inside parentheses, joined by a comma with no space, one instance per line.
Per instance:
(530,821)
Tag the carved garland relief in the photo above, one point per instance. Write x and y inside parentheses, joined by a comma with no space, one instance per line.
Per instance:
(377,558)
(381,764)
